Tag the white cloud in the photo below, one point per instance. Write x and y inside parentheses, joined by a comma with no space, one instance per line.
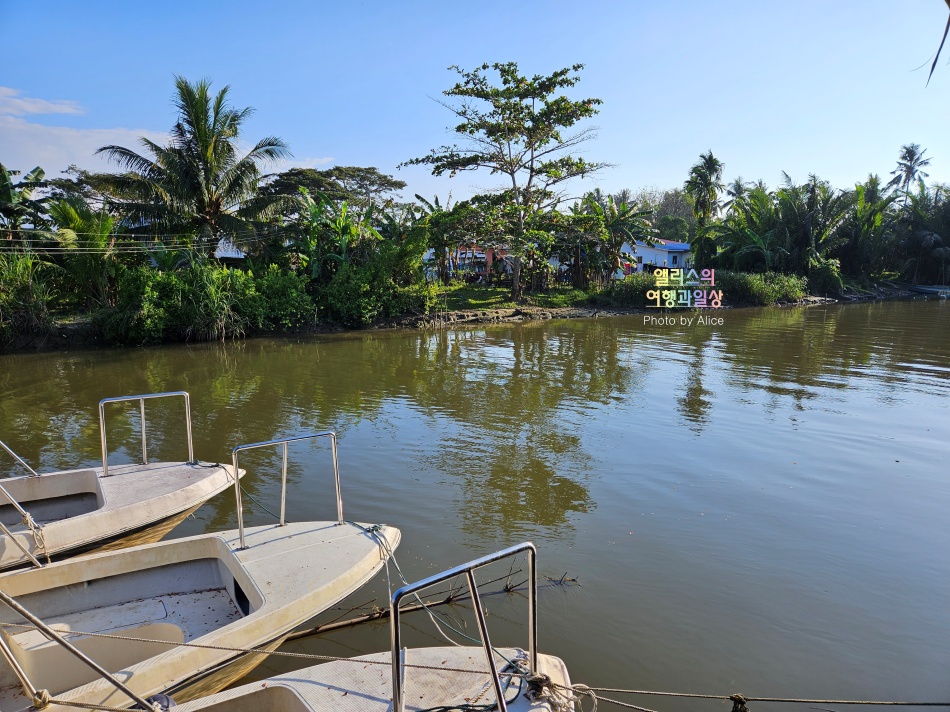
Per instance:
(12,104)
(304,163)
(24,145)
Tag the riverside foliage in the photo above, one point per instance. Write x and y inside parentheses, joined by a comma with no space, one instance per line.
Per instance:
(145,251)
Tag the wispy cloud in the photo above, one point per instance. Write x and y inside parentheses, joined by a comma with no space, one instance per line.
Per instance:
(287,163)
(13,104)
(24,144)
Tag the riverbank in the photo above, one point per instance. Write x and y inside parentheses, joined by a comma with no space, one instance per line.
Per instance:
(81,332)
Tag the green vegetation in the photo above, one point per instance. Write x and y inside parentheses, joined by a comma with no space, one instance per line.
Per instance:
(194,240)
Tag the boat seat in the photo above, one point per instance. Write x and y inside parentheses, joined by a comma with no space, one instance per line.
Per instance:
(50,666)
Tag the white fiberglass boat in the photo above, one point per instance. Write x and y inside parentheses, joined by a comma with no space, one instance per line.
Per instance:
(58,514)
(183,618)
(441,678)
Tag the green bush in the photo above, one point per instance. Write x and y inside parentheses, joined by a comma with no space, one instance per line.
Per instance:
(220,303)
(286,302)
(754,289)
(629,292)
(148,307)
(202,303)
(359,294)
(825,278)
(24,296)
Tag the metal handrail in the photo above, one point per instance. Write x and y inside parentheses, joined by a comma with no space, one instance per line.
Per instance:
(24,515)
(54,635)
(33,473)
(283,476)
(141,399)
(469,571)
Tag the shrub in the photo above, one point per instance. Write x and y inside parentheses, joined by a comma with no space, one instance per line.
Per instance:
(745,288)
(359,294)
(148,307)
(221,303)
(825,278)
(24,296)
(286,302)
(629,292)
(203,302)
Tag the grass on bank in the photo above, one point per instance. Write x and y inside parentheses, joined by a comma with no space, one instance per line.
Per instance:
(460,296)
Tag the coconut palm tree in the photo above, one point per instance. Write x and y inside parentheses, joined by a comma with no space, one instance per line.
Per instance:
(908,169)
(703,187)
(736,191)
(198,183)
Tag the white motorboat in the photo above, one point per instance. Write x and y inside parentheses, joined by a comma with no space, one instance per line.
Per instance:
(440,678)
(183,618)
(58,514)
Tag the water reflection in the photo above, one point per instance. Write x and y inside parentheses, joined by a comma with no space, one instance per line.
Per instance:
(499,412)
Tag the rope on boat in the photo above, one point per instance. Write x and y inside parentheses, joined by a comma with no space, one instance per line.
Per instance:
(578,690)
(561,698)
(39,540)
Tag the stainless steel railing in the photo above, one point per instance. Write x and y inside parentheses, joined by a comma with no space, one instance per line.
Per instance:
(141,399)
(283,476)
(24,515)
(33,473)
(469,571)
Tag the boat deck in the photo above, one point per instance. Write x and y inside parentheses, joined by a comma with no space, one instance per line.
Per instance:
(364,684)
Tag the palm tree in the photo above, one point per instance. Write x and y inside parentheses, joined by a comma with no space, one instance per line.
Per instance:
(812,215)
(622,223)
(908,169)
(18,207)
(88,242)
(753,228)
(736,191)
(197,184)
(703,187)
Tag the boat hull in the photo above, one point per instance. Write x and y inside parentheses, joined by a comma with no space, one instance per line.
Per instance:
(80,512)
(177,616)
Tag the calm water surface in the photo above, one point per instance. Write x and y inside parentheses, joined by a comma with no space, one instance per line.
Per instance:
(760,506)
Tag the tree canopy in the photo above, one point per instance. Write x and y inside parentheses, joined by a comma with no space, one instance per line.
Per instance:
(198,184)
(515,128)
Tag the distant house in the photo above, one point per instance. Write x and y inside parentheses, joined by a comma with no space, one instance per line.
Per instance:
(664,253)
(227,250)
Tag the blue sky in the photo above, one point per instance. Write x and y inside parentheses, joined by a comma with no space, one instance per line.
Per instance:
(816,86)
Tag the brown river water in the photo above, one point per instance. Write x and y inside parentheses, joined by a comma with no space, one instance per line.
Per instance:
(759,506)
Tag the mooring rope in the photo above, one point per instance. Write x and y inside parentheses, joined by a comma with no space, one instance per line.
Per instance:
(578,690)
(540,687)
(39,539)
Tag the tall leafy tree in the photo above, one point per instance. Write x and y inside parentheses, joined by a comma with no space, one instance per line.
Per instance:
(516,129)
(199,183)
(358,186)
(704,186)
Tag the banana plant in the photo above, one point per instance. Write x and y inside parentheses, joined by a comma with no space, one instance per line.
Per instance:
(18,207)
(87,239)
